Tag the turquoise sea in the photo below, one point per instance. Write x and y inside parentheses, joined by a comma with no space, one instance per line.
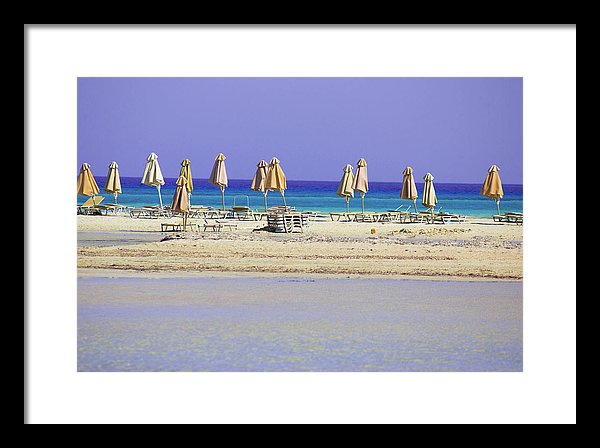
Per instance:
(320,196)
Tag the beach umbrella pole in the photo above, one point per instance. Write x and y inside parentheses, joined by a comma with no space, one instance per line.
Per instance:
(223,198)
(498,205)
(415,202)
(362,196)
(159,196)
(283,196)
(265,197)
(347,202)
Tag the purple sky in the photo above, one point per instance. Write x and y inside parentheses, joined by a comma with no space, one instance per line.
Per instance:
(454,128)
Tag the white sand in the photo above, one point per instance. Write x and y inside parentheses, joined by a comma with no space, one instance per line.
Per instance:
(476,250)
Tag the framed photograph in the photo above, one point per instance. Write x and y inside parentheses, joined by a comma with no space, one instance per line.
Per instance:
(248,225)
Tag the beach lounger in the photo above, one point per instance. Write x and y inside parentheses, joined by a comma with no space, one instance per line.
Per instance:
(300,221)
(338,216)
(426,217)
(198,211)
(218,226)
(242,212)
(112,208)
(400,207)
(178,226)
(258,216)
(287,222)
(227,225)
(510,217)
(277,222)
(452,217)
(90,206)
(398,216)
(281,209)
(372,217)
(150,212)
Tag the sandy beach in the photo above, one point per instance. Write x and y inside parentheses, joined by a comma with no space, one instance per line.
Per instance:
(478,249)
(409,297)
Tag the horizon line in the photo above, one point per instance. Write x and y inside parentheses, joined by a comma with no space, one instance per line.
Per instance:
(303,180)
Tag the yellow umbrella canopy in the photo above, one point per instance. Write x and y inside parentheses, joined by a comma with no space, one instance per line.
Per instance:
(186,171)
(409,189)
(361,180)
(260,177)
(86,184)
(429,196)
(276,178)
(492,186)
(345,189)
(218,176)
(113,180)
(153,175)
(259,180)
(181,201)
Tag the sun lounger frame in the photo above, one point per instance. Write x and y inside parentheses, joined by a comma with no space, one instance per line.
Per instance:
(287,222)
(511,217)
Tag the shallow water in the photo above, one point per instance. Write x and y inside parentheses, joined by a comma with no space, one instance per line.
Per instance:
(285,324)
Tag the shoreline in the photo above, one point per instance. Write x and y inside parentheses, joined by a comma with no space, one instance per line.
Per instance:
(166,274)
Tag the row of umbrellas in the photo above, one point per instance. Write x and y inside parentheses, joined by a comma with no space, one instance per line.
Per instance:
(350,183)
(492,186)
(270,177)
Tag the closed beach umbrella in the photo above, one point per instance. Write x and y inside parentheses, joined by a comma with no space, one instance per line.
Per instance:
(218,176)
(181,201)
(153,175)
(409,189)
(361,181)
(492,186)
(276,178)
(429,197)
(186,171)
(86,184)
(260,179)
(113,181)
(345,189)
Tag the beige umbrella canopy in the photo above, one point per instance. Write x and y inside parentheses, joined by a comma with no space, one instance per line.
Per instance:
(409,189)
(345,189)
(153,175)
(259,180)
(492,186)
(113,180)
(186,171)
(429,197)
(361,181)
(276,178)
(86,184)
(181,201)
(218,176)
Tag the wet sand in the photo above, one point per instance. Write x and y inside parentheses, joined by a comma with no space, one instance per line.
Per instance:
(294,324)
